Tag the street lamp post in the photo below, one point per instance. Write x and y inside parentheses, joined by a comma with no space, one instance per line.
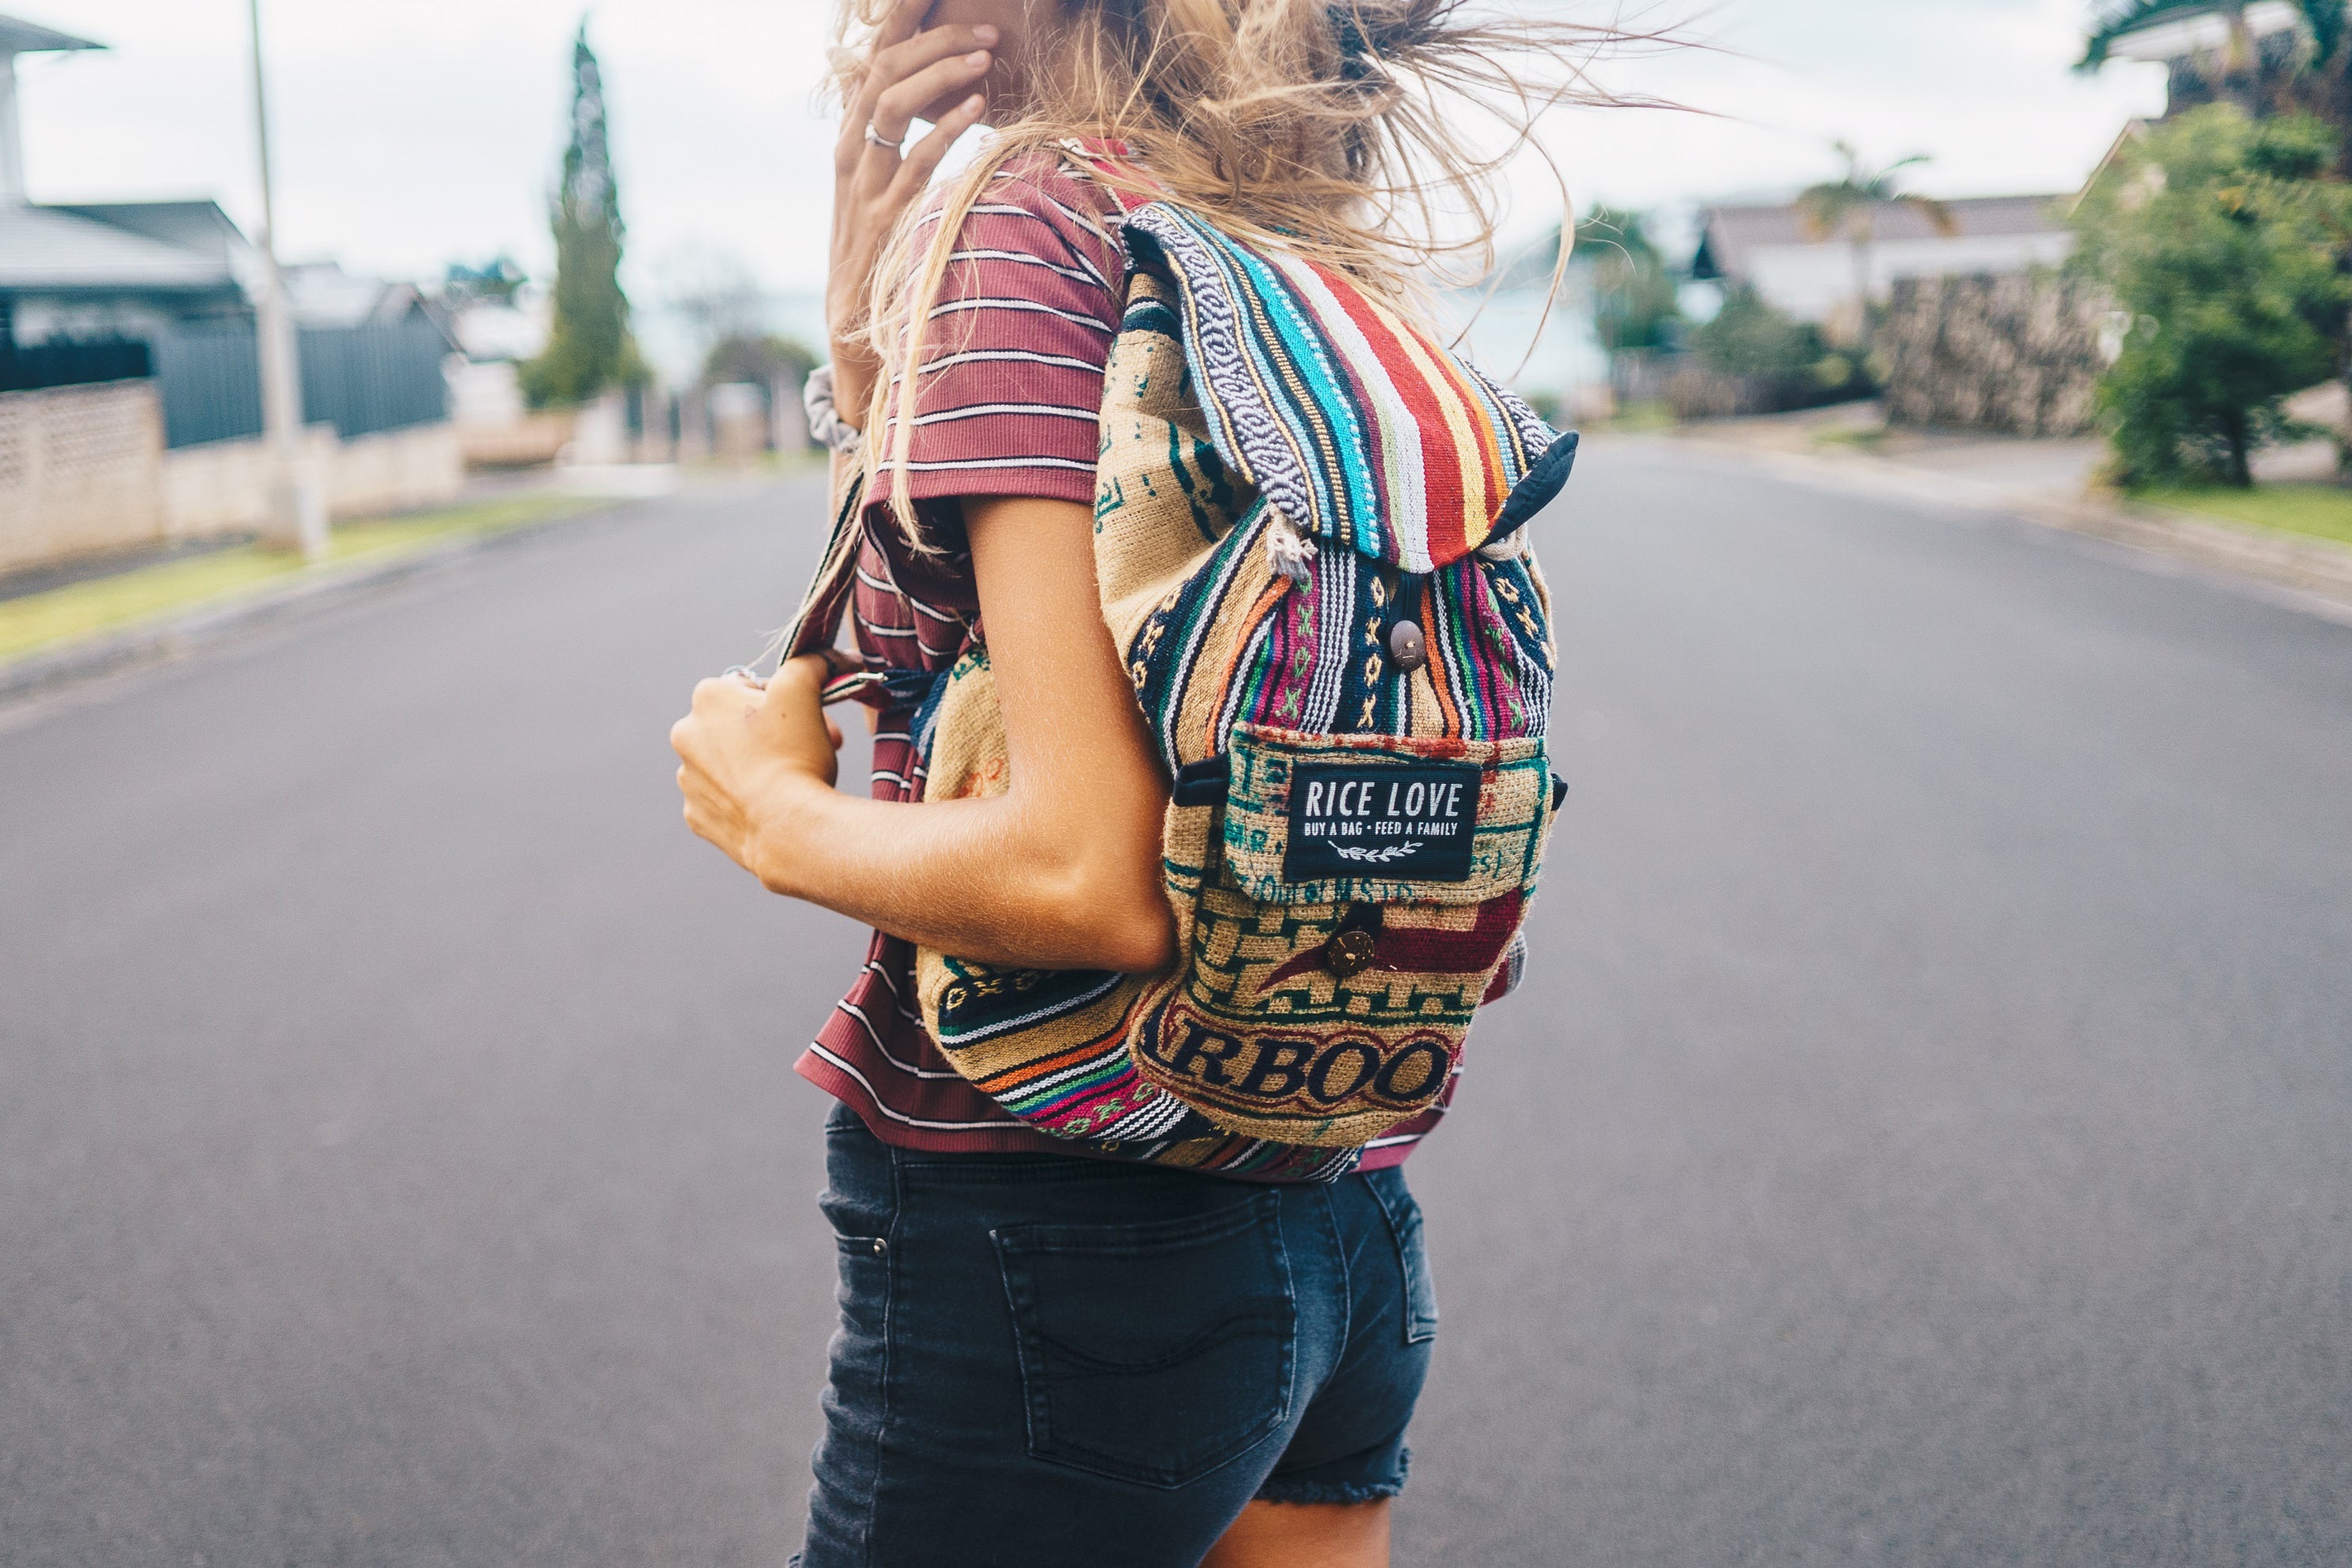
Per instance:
(297,510)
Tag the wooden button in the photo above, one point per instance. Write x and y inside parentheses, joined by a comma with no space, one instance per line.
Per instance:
(1350,953)
(1407,647)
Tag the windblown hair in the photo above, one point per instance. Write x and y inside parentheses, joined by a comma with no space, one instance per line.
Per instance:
(1339,130)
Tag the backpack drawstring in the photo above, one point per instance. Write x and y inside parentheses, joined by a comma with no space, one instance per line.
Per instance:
(1287,551)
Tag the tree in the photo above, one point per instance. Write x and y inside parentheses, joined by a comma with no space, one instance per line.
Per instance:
(1848,206)
(1635,303)
(589,347)
(495,281)
(2221,244)
(763,358)
(713,290)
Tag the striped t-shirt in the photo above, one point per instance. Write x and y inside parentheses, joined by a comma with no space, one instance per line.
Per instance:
(1010,393)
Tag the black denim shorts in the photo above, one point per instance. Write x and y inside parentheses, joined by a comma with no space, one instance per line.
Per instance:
(1047,1360)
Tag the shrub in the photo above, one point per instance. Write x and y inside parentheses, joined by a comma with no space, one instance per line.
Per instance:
(1750,336)
(2219,238)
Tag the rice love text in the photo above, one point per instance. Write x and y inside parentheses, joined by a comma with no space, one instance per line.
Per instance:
(1404,819)
(1346,807)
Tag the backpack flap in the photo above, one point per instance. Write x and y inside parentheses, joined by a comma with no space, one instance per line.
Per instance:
(1361,432)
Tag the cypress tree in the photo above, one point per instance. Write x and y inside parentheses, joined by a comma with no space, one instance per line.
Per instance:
(589,347)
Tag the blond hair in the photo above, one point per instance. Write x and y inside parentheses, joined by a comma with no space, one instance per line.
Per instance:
(1327,127)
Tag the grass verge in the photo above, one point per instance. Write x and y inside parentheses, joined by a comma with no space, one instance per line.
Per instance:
(38,622)
(1642,418)
(2314,512)
(1856,437)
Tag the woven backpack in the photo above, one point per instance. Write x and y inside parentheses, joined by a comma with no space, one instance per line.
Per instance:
(1310,538)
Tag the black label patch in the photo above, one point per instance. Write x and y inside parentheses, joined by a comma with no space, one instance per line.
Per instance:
(1406,822)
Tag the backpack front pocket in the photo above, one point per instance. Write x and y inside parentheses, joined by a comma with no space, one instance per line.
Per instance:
(1363,892)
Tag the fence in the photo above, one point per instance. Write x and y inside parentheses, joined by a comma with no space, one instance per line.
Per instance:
(209,378)
(40,367)
(2017,354)
(361,379)
(1693,390)
(79,470)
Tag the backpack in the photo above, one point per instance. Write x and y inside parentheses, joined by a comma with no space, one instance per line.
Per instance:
(1310,539)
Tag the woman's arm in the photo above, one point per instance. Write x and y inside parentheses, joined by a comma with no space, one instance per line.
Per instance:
(1060,872)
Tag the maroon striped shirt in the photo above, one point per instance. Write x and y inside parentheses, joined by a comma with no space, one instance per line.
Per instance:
(1010,394)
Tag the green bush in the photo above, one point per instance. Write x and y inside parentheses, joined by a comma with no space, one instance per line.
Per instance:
(1750,337)
(2219,238)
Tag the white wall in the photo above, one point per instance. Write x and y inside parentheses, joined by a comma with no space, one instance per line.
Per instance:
(1813,282)
(80,471)
(83,469)
(222,487)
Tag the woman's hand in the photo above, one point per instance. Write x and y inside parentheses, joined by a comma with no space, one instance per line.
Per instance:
(747,756)
(1060,871)
(908,74)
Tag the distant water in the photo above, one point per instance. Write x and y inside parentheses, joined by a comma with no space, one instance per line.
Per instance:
(1508,337)
(1511,339)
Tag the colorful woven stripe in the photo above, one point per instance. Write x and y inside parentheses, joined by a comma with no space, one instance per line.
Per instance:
(1357,427)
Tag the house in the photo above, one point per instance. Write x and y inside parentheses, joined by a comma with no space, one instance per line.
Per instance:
(130,380)
(103,272)
(1774,251)
(2201,50)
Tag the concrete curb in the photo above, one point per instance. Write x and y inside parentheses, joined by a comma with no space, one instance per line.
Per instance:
(2311,566)
(2314,569)
(156,641)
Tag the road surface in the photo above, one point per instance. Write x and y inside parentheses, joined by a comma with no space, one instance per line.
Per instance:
(1926,1138)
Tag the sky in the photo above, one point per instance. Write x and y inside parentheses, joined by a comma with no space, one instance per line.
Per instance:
(410,136)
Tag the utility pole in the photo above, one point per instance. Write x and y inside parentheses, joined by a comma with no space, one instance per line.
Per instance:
(296,519)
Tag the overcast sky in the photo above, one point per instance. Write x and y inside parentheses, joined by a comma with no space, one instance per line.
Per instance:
(414,134)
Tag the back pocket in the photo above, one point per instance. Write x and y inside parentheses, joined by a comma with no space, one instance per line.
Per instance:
(1157,1352)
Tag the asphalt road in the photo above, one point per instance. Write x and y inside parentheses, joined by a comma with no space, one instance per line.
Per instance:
(1927,1139)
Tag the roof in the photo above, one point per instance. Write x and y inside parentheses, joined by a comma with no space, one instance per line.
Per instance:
(198,225)
(321,294)
(1731,233)
(31,38)
(56,248)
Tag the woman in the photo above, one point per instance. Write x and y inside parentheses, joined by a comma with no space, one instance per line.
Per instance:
(1046,1359)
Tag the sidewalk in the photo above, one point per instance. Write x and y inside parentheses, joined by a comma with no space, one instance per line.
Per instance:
(2051,483)
(82,618)
(90,616)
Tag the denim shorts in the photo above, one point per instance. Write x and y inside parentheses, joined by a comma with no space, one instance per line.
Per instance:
(1044,1359)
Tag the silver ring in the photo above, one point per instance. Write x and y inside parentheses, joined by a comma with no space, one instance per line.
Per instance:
(877,140)
(746,671)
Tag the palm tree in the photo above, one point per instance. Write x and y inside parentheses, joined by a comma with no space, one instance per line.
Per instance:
(1848,206)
